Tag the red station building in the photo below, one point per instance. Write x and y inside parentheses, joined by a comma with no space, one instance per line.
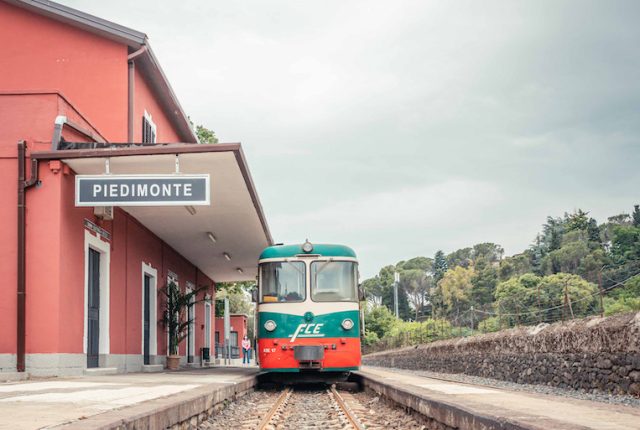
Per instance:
(237,331)
(80,95)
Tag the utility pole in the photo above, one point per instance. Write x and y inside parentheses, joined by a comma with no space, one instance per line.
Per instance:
(227,332)
(396,281)
(601,293)
(539,313)
(471,319)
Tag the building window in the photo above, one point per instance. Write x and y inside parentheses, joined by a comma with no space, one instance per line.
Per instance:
(149,129)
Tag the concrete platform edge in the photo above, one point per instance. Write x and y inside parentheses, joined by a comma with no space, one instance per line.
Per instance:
(191,406)
(446,413)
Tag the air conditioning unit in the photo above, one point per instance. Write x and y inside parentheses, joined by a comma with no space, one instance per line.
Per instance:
(103,212)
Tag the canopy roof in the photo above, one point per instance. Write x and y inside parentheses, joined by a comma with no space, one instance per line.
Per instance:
(235,216)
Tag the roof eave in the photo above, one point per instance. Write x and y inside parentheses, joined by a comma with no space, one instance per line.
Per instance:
(91,23)
(172,105)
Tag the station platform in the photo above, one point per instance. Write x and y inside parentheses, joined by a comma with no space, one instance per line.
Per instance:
(133,400)
(468,406)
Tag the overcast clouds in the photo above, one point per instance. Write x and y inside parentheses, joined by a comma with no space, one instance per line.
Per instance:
(404,127)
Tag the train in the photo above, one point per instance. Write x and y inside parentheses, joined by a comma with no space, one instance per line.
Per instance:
(308,313)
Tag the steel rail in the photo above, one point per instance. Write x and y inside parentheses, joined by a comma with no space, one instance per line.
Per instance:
(281,399)
(353,420)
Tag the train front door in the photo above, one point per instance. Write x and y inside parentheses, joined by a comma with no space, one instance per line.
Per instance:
(93,309)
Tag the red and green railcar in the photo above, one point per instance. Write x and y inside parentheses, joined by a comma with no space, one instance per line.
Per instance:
(308,313)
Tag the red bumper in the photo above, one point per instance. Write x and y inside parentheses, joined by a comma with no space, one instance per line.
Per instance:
(339,353)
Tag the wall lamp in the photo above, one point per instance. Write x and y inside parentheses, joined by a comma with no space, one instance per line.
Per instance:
(227,256)
(239,270)
(190,209)
(211,237)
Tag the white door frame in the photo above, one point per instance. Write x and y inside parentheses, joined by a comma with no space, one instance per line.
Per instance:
(191,336)
(153,310)
(104,248)
(207,327)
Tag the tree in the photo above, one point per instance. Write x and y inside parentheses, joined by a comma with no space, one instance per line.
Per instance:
(461,257)
(488,252)
(577,220)
(379,320)
(620,219)
(484,280)
(518,298)
(239,297)
(417,283)
(456,288)
(205,135)
(404,311)
(594,233)
(580,295)
(386,280)
(439,266)
(373,290)
(552,232)
(625,243)
(516,265)
(636,215)
(418,263)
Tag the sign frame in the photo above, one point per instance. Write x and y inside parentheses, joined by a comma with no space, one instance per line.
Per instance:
(116,177)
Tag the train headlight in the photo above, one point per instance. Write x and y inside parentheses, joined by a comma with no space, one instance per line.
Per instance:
(307,247)
(347,324)
(270,325)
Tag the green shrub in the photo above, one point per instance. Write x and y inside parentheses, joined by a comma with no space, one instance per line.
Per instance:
(489,325)
(620,305)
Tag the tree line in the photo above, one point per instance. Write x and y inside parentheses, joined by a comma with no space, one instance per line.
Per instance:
(574,267)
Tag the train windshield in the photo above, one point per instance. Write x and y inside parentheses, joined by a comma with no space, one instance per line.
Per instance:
(334,281)
(283,282)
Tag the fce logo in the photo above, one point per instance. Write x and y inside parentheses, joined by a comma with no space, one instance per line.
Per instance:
(307,330)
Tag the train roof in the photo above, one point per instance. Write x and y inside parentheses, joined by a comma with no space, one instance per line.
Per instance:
(321,249)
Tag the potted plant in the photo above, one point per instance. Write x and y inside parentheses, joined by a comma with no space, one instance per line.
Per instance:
(174,318)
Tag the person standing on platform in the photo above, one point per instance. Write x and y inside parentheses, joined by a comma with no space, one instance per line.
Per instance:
(246,350)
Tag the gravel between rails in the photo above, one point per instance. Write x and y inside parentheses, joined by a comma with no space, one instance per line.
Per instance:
(243,413)
(616,399)
(311,409)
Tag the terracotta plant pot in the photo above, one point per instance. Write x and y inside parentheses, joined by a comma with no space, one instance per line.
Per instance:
(173,362)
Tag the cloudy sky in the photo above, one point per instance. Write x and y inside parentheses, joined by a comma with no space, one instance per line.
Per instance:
(405,127)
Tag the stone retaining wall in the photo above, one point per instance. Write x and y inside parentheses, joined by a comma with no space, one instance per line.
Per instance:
(591,354)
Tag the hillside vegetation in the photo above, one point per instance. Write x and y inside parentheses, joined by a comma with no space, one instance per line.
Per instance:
(575,267)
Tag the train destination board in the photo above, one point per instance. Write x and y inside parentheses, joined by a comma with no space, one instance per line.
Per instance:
(142,190)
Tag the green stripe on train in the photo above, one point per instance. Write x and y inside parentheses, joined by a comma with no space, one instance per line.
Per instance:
(322,249)
(321,326)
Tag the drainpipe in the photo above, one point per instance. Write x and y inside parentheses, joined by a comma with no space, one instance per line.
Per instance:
(23,185)
(132,68)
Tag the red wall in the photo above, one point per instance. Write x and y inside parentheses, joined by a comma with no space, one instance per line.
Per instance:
(39,53)
(238,323)
(30,117)
(50,69)
(145,100)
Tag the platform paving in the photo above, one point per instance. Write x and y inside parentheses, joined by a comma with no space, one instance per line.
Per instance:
(96,401)
(476,406)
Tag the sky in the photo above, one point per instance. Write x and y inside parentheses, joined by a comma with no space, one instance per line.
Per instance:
(401,128)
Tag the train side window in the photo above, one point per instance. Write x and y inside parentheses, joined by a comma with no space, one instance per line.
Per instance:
(282,282)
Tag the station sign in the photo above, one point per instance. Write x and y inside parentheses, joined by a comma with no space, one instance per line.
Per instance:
(143,190)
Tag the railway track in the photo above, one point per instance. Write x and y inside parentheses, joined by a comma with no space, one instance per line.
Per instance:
(299,410)
(302,409)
